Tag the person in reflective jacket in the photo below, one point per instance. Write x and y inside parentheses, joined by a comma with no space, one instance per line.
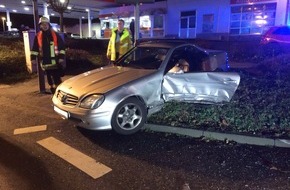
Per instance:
(49,48)
(120,42)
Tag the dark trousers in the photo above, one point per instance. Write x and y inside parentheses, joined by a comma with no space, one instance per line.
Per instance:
(54,76)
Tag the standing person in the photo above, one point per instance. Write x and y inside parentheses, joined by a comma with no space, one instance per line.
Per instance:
(120,42)
(132,29)
(49,48)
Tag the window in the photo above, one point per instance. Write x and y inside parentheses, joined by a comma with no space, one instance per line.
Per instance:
(282,31)
(252,19)
(158,21)
(187,19)
(208,21)
(187,24)
(183,23)
(188,56)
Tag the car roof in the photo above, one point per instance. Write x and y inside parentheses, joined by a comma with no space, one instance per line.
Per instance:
(273,28)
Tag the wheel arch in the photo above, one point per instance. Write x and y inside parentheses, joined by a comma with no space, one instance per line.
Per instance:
(138,97)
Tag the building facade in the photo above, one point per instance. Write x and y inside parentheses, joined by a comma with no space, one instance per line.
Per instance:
(201,18)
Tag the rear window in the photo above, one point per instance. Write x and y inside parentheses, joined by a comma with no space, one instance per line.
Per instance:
(282,31)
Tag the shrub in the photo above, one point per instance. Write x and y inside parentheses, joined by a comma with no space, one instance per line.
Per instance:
(12,59)
(77,58)
(13,62)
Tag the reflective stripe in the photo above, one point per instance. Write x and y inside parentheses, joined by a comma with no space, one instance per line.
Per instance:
(62,52)
(53,62)
(49,66)
(52,53)
(33,53)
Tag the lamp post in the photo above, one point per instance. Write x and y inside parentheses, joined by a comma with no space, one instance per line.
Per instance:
(3,21)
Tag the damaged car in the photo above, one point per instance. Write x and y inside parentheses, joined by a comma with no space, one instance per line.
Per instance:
(120,97)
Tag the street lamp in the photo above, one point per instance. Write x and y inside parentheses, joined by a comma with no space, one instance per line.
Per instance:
(3,20)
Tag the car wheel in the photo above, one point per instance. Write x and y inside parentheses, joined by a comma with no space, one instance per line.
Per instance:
(129,117)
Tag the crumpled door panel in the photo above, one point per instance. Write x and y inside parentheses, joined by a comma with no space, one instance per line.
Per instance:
(203,87)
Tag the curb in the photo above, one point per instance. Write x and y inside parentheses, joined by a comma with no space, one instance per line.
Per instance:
(242,139)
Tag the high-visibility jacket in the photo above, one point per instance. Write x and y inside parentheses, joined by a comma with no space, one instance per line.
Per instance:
(49,47)
(124,45)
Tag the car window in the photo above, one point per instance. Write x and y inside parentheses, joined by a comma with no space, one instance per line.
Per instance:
(282,31)
(186,59)
(144,58)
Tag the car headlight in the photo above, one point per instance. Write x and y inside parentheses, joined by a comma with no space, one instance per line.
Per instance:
(92,101)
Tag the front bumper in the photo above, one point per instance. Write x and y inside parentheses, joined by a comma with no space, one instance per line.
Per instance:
(97,119)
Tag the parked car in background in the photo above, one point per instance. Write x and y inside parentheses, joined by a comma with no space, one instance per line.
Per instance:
(72,35)
(122,96)
(13,33)
(276,40)
(77,36)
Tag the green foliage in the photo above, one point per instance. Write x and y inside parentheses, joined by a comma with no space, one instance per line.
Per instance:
(12,59)
(77,59)
(13,62)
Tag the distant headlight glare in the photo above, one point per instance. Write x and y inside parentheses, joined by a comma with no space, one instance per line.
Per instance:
(92,101)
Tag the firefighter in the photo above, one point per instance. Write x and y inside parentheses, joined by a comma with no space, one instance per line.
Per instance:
(120,42)
(49,48)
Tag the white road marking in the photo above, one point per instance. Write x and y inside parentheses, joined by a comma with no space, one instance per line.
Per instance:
(30,129)
(81,161)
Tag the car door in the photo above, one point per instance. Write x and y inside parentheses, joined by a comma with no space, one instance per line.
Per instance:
(200,87)
(197,86)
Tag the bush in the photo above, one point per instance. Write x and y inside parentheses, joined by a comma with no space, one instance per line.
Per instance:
(77,59)
(12,60)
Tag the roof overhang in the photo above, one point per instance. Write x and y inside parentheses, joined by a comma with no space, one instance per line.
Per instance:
(79,9)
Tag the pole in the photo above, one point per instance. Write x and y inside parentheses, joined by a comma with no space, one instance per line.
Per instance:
(287,13)
(40,72)
(89,23)
(81,34)
(137,22)
(8,21)
(61,21)
(3,20)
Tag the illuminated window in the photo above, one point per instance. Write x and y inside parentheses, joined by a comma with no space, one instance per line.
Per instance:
(252,19)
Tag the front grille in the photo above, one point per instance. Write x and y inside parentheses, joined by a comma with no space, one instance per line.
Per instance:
(67,99)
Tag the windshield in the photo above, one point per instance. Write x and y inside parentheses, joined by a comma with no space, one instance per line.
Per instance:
(144,58)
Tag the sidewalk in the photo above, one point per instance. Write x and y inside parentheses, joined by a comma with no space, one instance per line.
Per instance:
(30,88)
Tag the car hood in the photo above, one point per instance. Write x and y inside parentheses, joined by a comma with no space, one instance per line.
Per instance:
(102,80)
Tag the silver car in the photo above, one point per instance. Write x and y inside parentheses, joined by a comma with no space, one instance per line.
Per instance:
(123,95)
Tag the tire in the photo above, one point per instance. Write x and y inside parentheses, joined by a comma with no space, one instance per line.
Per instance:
(129,117)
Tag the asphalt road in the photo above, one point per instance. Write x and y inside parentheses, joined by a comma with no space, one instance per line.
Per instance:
(146,160)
